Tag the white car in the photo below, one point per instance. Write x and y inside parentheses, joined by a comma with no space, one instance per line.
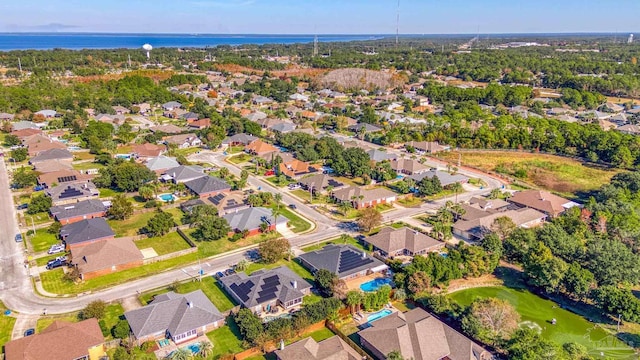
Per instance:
(294,186)
(54,249)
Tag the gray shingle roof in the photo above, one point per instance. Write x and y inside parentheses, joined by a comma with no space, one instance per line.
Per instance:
(251,218)
(161,162)
(320,181)
(85,230)
(379,155)
(342,260)
(173,312)
(80,208)
(240,138)
(332,348)
(444,177)
(185,173)
(283,127)
(207,184)
(52,154)
(251,289)
(367,127)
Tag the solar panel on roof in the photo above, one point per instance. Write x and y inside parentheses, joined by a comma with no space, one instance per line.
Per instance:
(350,260)
(67,178)
(69,192)
(217,199)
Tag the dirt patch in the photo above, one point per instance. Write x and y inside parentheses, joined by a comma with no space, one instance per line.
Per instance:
(345,79)
(482,281)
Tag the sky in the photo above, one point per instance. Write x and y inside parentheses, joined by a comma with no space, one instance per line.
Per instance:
(320,16)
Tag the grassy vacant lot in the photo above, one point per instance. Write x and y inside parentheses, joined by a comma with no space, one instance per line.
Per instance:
(209,287)
(38,219)
(351,241)
(296,223)
(132,225)
(112,314)
(226,340)
(87,166)
(293,265)
(83,155)
(239,159)
(554,173)
(210,248)
(167,244)
(43,240)
(6,326)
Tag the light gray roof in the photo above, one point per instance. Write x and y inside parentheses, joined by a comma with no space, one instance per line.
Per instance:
(185,173)
(240,138)
(255,116)
(257,288)
(207,184)
(173,312)
(251,218)
(86,230)
(161,163)
(338,258)
(171,104)
(283,127)
(23,124)
(380,155)
(392,240)
(80,208)
(65,192)
(320,181)
(444,177)
(51,154)
(368,127)
(47,113)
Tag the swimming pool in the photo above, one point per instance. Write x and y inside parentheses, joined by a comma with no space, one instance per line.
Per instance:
(379,315)
(374,284)
(74,148)
(123,156)
(166,197)
(194,348)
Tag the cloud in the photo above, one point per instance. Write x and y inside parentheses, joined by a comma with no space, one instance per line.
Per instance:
(52,27)
(223,3)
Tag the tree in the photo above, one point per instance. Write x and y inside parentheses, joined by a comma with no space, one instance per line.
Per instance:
(249,324)
(578,281)
(23,178)
(38,204)
(95,309)
(369,218)
(418,282)
(242,265)
(344,207)
(274,250)
(326,280)
(442,222)
(11,140)
(20,154)
(527,344)
(206,349)
(159,224)
(503,227)
(121,207)
(491,320)
(181,353)
(147,192)
(129,176)
(212,228)
(200,214)
(395,355)
(495,194)
(353,300)
(543,269)
(121,330)
(54,228)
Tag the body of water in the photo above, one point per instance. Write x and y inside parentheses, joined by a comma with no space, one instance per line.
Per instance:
(76,41)
(537,313)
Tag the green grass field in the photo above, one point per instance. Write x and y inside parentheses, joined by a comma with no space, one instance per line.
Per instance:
(43,260)
(351,241)
(210,248)
(87,166)
(226,340)
(132,225)
(106,193)
(296,223)
(112,314)
(293,265)
(166,244)
(42,240)
(209,287)
(6,326)
(239,159)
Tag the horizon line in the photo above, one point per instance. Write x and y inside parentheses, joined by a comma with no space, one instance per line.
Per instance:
(45,32)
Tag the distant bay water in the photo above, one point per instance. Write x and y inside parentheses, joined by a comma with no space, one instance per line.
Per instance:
(76,41)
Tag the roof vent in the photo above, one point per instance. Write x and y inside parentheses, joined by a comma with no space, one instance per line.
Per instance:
(364,255)
(190,304)
(295,284)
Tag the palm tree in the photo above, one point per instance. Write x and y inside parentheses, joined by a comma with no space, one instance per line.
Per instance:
(206,348)
(344,207)
(181,354)
(278,198)
(354,299)
(275,212)
(242,265)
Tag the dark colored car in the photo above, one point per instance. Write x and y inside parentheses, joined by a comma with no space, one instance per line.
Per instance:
(293,206)
(22,206)
(38,188)
(18,237)
(55,264)
(30,332)
(219,275)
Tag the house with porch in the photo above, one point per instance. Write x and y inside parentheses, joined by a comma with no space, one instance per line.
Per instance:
(345,261)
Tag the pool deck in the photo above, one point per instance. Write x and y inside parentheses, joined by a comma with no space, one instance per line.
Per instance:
(362,321)
(164,352)
(354,284)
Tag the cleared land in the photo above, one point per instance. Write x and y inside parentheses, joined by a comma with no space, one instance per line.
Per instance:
(554,173)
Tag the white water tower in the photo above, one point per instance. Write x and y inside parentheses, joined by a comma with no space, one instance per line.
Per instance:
(630,39)
(147,48)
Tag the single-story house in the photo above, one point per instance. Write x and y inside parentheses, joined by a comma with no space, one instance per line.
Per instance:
(171,105)
(53,166)
(241,139)
(207,186)
(82,210)
(183,141)
(368,128)
(25,133)
(85,232)
(60,177)
(486,203)
(333,348)
(296,168)
(183,173)
(47,113)
(228,202)
(179,317)
(445,178)
(161,164)
(255,116)
(476,223)
(105,256)
(6,116)
(544,201)
(67,193)
(264,290)
(379,155)
(148,150)
(52,154)
(283,127)
(40,143)
(418,335)
(259,147)
(189,116)
(120,110)
(408,166)
(319,182)
(200,124)
(61,340)
(252,218)
(629,129)
(24,124)
(362,198)
(345,261)
(429,147)
(391,242)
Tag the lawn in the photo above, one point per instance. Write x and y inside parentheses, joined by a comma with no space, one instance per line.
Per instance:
(166,244)
(107,193)
(410,201)
(304,195)
(293,265)
(132,225)
(554,173)
(177,214)
(239,159)
(43,240)
(38,219)
(210,248)
(296,223)
(186,152)
(321,334)
(209,287)
(112,314)
(350,241)
(83,155)
(226,339)
(87,166)
(6,326)
(45,259)
(234,149)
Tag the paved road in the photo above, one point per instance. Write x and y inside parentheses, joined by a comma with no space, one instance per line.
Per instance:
(18,294)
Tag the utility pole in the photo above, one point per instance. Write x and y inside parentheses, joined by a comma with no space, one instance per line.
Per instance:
(315,46)
(19,65)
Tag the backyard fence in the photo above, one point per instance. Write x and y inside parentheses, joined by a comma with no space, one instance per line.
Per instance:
(354,346)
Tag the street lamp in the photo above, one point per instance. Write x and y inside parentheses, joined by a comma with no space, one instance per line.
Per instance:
(310,194)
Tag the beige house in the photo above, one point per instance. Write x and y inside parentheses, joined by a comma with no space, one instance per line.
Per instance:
(362,198)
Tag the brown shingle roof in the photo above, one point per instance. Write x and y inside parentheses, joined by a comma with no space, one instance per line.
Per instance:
(541,200)
(354,193)
(332,348)
(105,254)
(260,147)
(61,340)
(148,150)
(392,240)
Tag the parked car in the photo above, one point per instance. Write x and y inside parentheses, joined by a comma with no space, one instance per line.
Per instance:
(18,237)
(57,248)
(294,186)
(219,275)
(229,272)
(52,264)
(38,188)
(293,206)
(253,255)
(22,206)
(29,332)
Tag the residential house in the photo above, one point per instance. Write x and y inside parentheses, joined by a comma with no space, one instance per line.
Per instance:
(262,101)
(308,115)
(629,129)
(147,150)
(183,141)
(251,220)
(390,242)
(295,168)
(24,124)
(183,173)
(299,98)
(200,124)
(167,129)
(67,193)
(362,198)
(333,348)
(6,116)
(265,290)
(228,202)
(283,127)
(179,317)
(171,105)
(544,201)
(47,113)
(476,222)
(368,128)
(379,155)
(256,116)
(61,340)
(259,147)
(241,139)
(161,164)
(24,133)
(408,166)
(486,203)
(60,154)
(143,108)
(418,335)
(105,256)
(189,117)
(82,210)
(207,186)
(85,232)
(445,178)
(61,177)
(319,183)
(345,261)
(39,143)
(429,147)
(45,167)
(267,123)
(121,110)
(612,107)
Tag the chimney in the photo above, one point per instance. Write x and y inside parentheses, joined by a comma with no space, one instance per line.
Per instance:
(295,284)
(364,255)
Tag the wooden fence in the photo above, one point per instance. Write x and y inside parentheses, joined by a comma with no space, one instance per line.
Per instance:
(354,346)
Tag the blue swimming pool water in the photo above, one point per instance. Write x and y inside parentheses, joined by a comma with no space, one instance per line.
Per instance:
(374,284)
(166,197)
(123,156)
(194,348)
(379,315)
